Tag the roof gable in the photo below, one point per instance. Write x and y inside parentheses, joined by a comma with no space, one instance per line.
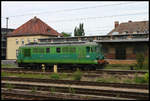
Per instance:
(34,26)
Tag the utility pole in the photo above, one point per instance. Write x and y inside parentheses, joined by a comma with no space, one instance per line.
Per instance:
(6,34)
(7,23)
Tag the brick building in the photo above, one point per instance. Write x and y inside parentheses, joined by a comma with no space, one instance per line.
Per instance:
(30,31)
(127,49)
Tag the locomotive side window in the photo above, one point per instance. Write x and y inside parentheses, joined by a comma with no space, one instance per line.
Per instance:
(58,50)
(88,49)
(26,52)
(92,49)
(65,49)
(47,50)
(72,50)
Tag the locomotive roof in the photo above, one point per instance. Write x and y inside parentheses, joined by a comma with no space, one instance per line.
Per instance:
(60,44)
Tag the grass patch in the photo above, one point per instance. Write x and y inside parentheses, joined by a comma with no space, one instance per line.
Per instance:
(34,89)
(71,90)
(55,76)
(111,79)
(63,76)
(118,66)
(52,90)
(9,86)
(41,76)
(77,75)
(140,80)
(8,65)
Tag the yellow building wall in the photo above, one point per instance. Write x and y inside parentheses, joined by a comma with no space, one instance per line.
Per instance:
(12,46)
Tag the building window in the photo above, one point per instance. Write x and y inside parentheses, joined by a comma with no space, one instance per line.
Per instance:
(28,40)
(139,49)
(22,41)
(17,42)
(105,50)
(34,40)
(17,53)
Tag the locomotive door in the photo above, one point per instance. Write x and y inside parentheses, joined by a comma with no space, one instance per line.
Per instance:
(81,53)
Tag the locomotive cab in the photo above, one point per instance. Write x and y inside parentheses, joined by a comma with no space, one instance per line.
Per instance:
(100,57)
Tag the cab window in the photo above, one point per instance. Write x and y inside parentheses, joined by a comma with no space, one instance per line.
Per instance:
(87,49)
(58,50)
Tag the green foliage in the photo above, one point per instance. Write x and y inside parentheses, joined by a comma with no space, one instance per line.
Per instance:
(140,60)
(71,90)
(63,76)
(34,89)
(139,80)
(54,76)
(79,31)
(65,34)
(117,66)
(128,81)
(104,80)
(52,90)
(8,65)
(77,75)
(146,63)
(3,74)
(146,77)
(9,86)
(111,79)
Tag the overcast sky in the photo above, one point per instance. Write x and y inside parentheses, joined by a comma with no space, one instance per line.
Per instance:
(98,17)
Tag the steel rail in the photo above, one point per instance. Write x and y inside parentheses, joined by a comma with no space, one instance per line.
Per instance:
(98,92)
(86,83)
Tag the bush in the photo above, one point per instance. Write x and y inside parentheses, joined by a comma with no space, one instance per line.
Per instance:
(146,63)
(54,76)
(139,79)
(77,75)
(63,76)
(146,77)
(140,60)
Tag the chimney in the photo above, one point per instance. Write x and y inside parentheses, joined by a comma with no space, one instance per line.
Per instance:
(35,19)
(129,21)
(116,24)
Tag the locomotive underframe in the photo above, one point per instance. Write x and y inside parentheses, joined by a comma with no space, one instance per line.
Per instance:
(62,66)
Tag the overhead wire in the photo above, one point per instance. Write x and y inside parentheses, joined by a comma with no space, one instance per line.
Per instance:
(66,10)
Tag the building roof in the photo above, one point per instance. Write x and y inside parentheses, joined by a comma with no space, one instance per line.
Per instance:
(125,40)
(131,27)
(34,26)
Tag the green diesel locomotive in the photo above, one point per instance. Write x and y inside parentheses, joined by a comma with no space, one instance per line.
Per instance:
(83,55)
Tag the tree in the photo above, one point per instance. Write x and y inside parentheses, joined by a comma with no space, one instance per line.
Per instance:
(79,31)
(65,34)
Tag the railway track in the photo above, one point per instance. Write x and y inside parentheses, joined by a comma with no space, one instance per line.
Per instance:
(120,72)
(70,82)
(105,90)
(43,95)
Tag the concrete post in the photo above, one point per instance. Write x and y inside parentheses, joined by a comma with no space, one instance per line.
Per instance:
(55,68)
(43,67)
